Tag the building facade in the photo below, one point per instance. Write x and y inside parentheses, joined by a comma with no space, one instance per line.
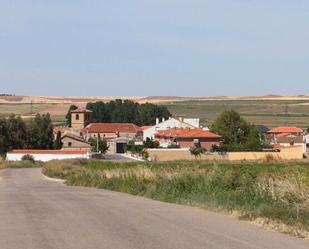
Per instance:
(80,118)
(73,142)
(149,132)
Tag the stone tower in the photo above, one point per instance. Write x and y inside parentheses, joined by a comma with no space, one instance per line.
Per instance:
(80,118)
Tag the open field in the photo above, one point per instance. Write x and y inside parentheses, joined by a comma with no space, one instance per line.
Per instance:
(275,195)
(268,110)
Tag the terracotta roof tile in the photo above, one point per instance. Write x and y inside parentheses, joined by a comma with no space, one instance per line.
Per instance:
(187,133)
(80,110)
(60,152)
(284,129)
(111,128)
(74,137)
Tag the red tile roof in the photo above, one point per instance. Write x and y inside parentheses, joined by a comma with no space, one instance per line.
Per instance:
(111,128)
(286,130)
(80,110)
(74,137)
(60,152)
(187,133)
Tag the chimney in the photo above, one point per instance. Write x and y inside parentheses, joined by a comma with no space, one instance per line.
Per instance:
(157,121)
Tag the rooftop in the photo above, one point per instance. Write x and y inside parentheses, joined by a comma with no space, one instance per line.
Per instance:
(187,133)
(57,152)
(112,128)
(81,110)
(286,129)
(74,137)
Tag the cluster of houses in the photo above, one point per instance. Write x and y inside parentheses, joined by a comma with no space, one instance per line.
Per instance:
(170,133)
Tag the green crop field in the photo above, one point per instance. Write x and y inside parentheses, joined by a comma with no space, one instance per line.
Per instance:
(268,112)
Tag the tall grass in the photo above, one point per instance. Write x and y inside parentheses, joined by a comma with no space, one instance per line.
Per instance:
(19,164)
(277,193)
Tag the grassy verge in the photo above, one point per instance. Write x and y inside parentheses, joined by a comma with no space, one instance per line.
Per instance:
(276,195)
(22,164)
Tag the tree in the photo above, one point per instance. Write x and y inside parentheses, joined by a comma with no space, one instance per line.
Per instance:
(101,145)
(149,113)
(127,111)
(236,132)
(68,116)
(40,133)
(58,143)
(16,133)
(253,140)
(3,135)
(232,128)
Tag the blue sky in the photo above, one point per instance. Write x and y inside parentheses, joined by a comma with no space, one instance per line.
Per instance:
(147,47)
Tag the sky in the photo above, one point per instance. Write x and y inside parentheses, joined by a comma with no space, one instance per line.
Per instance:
(154,47)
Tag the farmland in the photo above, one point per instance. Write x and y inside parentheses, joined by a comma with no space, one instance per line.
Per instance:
(268,112)
(274,111)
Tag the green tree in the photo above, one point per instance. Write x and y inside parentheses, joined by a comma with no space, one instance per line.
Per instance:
(40,132)
(16,136)
(127,111)
(149,113)
(3,135)
(68,116)
(237,133)
(99,144)
(253,140)
(58,143)
(232,128)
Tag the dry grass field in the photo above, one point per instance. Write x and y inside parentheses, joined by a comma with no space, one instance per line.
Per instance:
(269,110)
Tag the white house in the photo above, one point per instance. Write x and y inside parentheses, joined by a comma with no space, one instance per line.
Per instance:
(48,155)
(170,123)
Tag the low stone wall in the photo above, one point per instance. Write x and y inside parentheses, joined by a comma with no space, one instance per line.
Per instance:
(286,153)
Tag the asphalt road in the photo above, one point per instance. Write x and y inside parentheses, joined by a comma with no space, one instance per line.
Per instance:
(37,213)
(117,158)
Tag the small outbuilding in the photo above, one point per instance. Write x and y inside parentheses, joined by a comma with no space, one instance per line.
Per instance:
(73,142)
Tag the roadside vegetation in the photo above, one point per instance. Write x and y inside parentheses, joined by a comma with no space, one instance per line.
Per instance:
(25,163)
(275,194)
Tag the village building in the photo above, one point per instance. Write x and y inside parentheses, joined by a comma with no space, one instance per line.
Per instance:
(150,131)
(186,138)
(117,135)
(72,142)
(80,118)
(285,130)
(287,136)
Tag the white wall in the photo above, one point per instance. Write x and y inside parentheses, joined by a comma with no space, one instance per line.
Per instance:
(192,121)
(46,157)
(167,124)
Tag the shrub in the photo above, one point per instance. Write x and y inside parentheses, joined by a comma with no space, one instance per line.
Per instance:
(197,151)
(28,158)
(150,143)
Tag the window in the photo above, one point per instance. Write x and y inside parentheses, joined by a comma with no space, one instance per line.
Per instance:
(69,144)
(77,116)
